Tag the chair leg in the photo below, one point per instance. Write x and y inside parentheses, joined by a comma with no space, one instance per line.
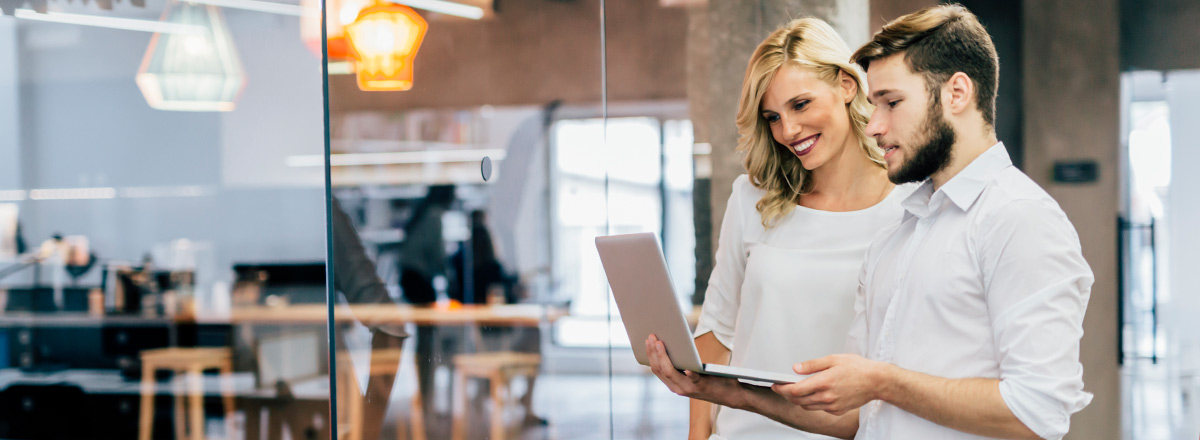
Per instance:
(226,379)
(180,393)
(418,416)
(497,385)
(197,403)
(457,432)
(146,419)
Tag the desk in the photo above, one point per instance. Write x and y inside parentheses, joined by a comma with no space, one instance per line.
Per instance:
(515,315)
(307,397)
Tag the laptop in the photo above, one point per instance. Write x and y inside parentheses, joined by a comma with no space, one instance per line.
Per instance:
(637,273)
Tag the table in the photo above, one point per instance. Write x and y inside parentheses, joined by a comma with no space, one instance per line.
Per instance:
(514,315)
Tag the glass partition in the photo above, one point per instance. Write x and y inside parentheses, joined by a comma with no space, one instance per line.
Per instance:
(149,219)
(466,189)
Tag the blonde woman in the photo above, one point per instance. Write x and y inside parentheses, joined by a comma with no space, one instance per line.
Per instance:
(797,226)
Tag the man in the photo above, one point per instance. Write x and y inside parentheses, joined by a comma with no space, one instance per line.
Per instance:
(969,311)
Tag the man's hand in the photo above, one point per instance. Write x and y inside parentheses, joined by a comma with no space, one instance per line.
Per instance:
(719,390)
(838,383)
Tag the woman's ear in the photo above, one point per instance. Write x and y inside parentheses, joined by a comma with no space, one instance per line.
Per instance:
(849,86)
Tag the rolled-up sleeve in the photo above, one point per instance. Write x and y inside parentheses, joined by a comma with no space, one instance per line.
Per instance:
(719,312)
(1038,286)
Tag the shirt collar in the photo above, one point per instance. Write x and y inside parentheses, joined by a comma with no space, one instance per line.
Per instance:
(965,187)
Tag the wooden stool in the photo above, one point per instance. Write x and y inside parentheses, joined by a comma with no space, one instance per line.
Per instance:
(192,362)
(498,368)
(383,361)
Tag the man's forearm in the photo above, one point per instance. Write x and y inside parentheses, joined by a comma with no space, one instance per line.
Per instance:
(970,405)
(763,401)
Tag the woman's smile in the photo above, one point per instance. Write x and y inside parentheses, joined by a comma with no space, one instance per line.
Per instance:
(805,146)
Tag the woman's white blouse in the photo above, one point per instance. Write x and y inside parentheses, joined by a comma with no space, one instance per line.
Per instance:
(784,295)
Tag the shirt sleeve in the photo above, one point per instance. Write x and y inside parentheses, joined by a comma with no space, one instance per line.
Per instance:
(1038,286)
(719,312)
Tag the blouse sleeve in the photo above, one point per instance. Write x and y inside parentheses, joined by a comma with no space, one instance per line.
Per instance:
(719,312)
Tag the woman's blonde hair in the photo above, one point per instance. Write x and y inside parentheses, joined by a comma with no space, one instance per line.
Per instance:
(812,45)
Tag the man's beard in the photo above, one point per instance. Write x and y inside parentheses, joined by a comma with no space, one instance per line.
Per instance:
(934,154)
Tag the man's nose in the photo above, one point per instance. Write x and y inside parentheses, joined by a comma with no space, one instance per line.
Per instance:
(876,126)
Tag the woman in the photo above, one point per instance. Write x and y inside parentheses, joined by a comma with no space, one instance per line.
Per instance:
(797,227)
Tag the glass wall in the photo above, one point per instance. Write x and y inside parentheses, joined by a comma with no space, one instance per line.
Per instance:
(149,220)
(364,219)
(467,185)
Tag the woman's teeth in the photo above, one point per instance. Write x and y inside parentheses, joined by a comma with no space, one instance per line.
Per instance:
(804,146)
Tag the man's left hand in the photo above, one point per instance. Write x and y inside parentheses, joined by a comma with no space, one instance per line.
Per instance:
(838,383)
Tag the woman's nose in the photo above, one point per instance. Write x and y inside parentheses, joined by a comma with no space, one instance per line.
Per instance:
(792,129)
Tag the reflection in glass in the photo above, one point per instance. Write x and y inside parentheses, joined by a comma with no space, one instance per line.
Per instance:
(193,70)
(157,267)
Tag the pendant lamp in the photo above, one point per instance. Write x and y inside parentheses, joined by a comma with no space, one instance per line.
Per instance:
(384,39)
(192,71)
(341,13)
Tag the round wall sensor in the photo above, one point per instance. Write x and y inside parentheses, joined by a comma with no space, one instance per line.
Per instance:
(485,168)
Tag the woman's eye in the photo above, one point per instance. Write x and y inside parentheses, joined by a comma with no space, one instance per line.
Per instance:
(771,119)
(800,105)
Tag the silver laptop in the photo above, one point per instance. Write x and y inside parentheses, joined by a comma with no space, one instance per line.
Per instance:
(638,275)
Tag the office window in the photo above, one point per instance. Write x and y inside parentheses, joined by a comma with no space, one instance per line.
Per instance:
(649,183)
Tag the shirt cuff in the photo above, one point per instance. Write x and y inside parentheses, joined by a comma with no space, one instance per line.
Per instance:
(1046,416)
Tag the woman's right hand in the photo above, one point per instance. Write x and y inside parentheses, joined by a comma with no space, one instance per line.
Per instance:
(719,390)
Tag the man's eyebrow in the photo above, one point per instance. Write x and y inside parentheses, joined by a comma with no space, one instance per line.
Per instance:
(878,93)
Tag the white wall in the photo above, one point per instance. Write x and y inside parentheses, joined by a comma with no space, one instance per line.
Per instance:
(1183,208)
(10,127)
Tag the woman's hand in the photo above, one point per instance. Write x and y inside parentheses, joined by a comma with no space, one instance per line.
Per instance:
(719,390)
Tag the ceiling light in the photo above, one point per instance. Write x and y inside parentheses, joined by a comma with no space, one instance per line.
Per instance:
(255,5)
(192,72)
(128,24)
(445,7)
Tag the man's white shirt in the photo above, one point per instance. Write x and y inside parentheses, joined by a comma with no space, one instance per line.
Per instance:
(983,278)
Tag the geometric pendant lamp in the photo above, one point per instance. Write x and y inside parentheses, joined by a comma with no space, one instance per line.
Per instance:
(192,71)
(384,40)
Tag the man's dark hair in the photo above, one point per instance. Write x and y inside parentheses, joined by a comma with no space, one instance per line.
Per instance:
(937,42)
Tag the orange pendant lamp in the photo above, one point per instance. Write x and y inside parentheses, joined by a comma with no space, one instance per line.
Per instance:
(384,41)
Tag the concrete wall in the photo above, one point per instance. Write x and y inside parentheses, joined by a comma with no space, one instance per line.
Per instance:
(1160,34)
(535,51)
(1071,111)
(883,11)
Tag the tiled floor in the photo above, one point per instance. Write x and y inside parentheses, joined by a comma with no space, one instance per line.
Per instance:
(578,407)
(1159,401)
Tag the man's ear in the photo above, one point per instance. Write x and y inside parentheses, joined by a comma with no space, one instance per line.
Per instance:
(958,94)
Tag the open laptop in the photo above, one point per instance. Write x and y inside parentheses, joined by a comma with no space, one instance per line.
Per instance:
(638,275)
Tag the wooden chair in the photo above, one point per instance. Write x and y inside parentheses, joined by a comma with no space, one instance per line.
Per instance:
(383,361)
(498,368)
(190,362)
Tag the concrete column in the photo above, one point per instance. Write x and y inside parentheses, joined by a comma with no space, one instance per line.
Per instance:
(1071,112)
(722,36)
(10,121)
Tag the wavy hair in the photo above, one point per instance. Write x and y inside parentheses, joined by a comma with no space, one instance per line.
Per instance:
(812,45)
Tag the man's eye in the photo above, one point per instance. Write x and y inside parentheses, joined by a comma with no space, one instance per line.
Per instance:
(892,104)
